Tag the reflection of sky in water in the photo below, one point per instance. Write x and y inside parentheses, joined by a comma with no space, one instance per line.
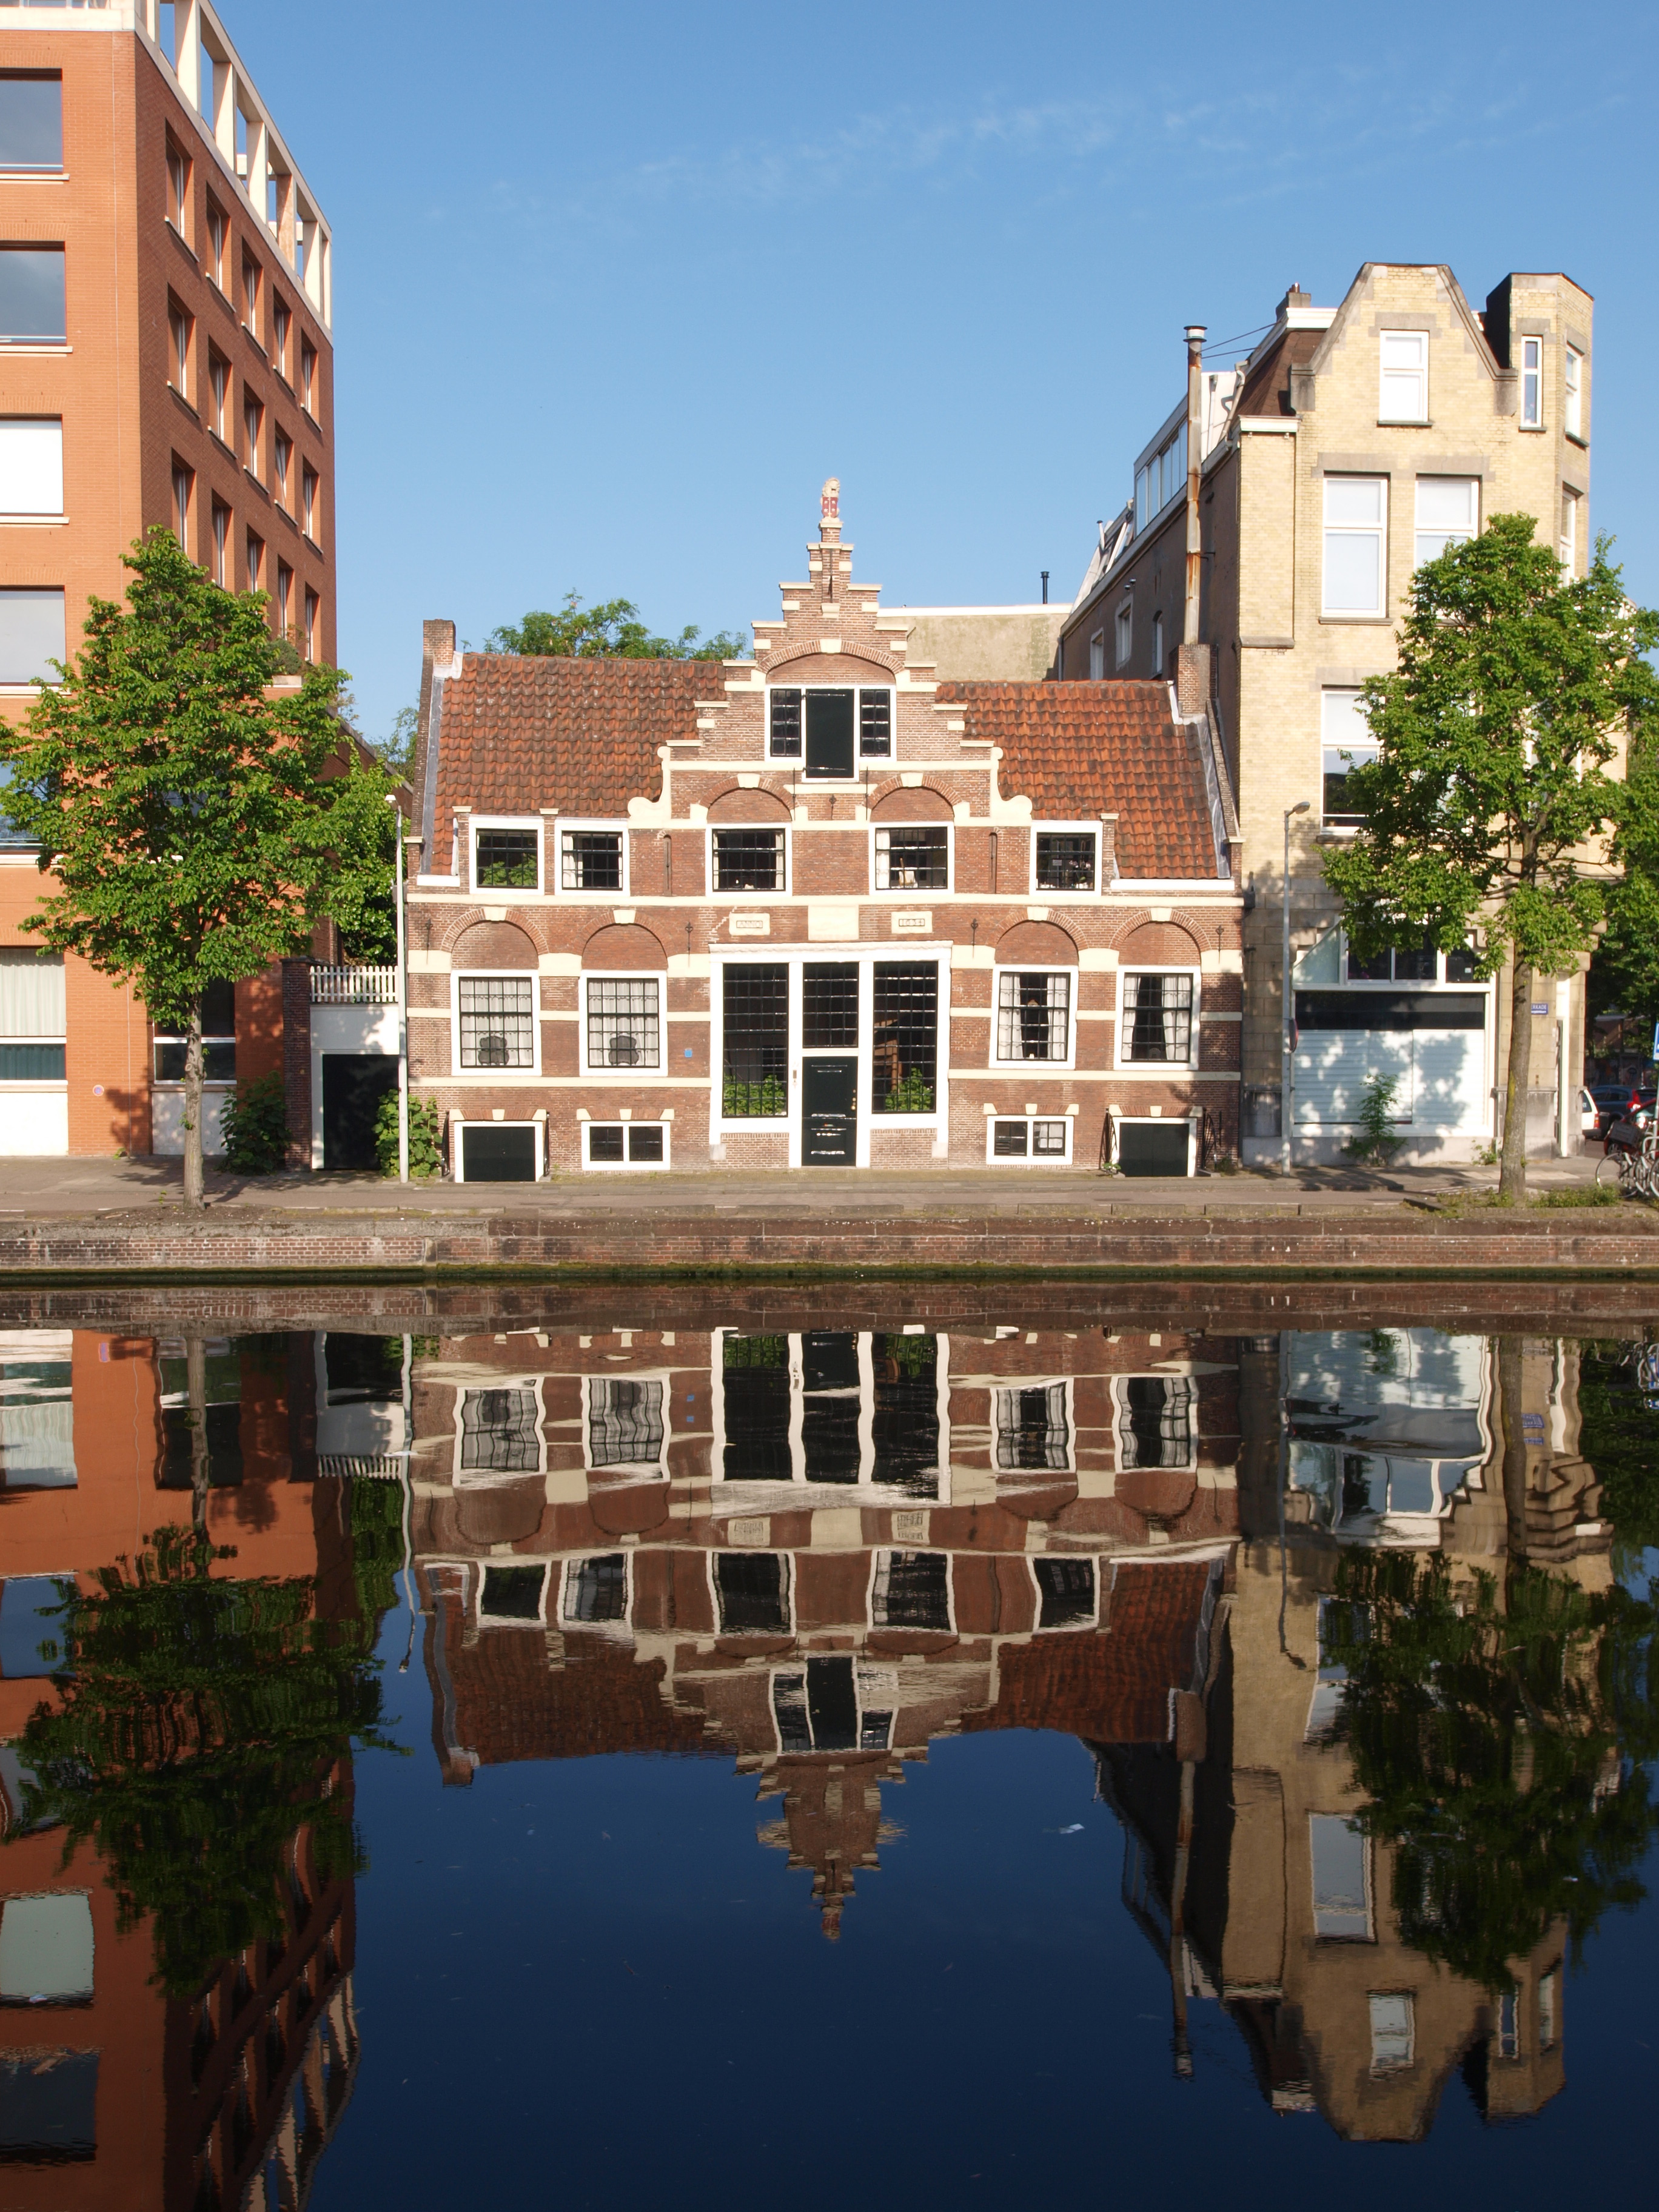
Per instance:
(1351,1395)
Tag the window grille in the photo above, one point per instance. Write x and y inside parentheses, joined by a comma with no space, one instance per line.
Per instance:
(624,1029)
(1034,1015)
(506,860)
(596,1590)
(1155,1426)
(590,861)
(904,1052)
(912,1590)
(830,1406)
(830,1006)
(875,724)
(498,1432)
(748,859)
(1157,1018)
(755,1030)
(1032,1431)
(1065,861)
(904,1421)
(917,860)
(786,711)
(1065,1592)
(497,1021)
(1023,1139)
(755,1387)
(624,1422)
(632,1144)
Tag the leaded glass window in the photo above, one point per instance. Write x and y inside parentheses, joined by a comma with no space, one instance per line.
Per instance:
(905,1047)
(914,859)
(624,1422)
(755,1040)
(498,1021)
(625,1027)
(1034,1014)
(1157,1019)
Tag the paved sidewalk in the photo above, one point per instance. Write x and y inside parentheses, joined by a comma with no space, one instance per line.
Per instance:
(41,1189)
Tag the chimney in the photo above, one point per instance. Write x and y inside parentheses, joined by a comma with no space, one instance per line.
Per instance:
(1194,463)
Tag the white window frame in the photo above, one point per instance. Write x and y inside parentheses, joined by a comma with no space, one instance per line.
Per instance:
(625,1166)
(1378,530)
(465,1478)
(1028,1159)
(1121,1412)
(554,876)
(1066,829)
(786,1560)
(642,1470)
(1033,1067)
(1532,384)
(1363,750)
(43,426)
(1063,1627)
(1451,537)
(512,1620)
(570,1567)
(798,761)
(622,975)
(882,1556)
(1123,1025)
(496,1075)
(1368,1882)
(460,1122)
(888,891)
(1567,550)
(490,892)
(777,829)
(1003,1389)
(1388,408)
(1382,2069)
(1572,393)
(1123,632)
(762,1498)
(1097,657)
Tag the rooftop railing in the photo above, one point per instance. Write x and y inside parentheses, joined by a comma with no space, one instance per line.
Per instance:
(353,987)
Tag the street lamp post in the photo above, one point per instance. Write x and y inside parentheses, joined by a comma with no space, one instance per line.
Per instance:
(1301,807)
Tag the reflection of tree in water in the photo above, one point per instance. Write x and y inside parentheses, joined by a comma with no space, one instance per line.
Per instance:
(200,1723)
(1497,1737)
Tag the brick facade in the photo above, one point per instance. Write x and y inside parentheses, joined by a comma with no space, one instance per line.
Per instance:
(665,761)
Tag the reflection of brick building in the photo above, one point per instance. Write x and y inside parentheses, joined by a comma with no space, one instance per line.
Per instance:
(815,1550)
(137,2098)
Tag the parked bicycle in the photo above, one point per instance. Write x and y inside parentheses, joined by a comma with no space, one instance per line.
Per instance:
(1631,1158)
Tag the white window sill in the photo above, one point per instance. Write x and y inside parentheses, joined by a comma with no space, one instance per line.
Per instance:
(1376,622)
(1405,423)
(34,521)
(36,345)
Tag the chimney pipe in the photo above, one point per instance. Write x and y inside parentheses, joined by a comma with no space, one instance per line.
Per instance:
(1195,332)
(1045,587)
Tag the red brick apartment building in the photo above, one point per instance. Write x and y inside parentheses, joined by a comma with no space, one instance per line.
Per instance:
(817,908)
(115,2094)
(164,357)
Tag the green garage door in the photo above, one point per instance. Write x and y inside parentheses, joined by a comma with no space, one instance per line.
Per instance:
(1152,1148)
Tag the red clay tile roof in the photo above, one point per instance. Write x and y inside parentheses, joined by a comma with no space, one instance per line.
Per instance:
(1112,1686)
(1078,751)
(581,735)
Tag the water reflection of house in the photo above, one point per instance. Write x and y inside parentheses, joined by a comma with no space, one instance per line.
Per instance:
(112,2093)
(815,1550)
(1392,1438)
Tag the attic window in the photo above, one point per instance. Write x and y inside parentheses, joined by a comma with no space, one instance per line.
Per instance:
(507,860)
(817,725)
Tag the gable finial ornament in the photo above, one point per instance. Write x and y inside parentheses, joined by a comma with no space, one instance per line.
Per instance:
(829,511)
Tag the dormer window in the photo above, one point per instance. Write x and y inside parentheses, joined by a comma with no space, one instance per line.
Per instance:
(830,729)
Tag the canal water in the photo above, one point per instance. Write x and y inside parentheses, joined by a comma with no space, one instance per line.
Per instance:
(920,1745)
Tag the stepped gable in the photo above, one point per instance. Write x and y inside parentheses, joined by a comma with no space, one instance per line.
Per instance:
(511,1705)
(1111,1685)
(1080,750)
(520,733)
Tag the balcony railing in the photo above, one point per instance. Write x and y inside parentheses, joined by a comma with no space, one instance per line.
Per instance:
(353,987)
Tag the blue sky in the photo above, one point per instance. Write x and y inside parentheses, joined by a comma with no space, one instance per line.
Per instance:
(617,287)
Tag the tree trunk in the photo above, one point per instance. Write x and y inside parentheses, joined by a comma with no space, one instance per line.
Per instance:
(1509,1369)
(196,1390)
(193,1110)
(1512,1173)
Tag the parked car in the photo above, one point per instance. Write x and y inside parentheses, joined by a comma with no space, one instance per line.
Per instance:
(1619,1102)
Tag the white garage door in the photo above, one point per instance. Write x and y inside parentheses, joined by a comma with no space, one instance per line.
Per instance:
(1439,1075)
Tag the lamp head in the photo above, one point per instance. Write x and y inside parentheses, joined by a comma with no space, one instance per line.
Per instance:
(1301,806)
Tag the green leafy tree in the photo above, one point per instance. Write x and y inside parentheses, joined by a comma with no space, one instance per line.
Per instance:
(192,826)
(1486,812)
(611,630)
(200,1721)
(1497,1737)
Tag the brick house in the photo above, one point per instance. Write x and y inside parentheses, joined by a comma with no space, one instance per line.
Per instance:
(1352,443)
(818,907)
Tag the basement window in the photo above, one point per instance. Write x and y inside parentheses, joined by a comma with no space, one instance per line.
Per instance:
(625,1145)
(1027,1137)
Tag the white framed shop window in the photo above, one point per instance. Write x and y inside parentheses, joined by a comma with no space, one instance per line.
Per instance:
(1157,1017)
(625,1147)
(593,859)
(1066,859)
(1033,1017)
(1030,1141)
(622,1022)
(506,855)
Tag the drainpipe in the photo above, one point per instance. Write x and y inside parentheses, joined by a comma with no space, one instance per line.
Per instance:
(1194,463)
